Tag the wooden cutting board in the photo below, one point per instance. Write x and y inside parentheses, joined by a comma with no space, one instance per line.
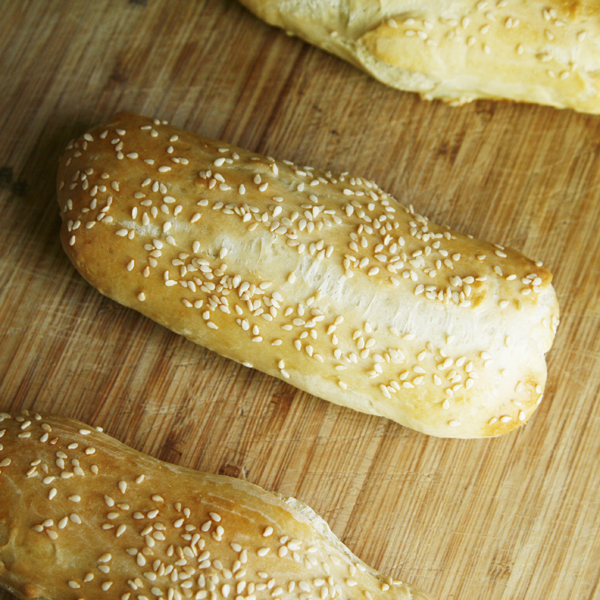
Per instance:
(509,518)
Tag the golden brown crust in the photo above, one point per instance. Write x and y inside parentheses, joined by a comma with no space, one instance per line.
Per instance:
(322,280)
(83,516)
(528,51)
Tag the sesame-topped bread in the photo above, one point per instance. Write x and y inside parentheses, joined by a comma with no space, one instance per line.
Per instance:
(543,51)
(84,517)
(322,280)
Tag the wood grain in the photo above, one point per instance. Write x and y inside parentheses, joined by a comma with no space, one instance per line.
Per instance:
(515,517)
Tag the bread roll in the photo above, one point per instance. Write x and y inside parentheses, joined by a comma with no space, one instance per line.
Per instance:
(545,52)
(322,280)
(85,517)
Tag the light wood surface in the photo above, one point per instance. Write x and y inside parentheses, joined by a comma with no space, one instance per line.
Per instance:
(509,518)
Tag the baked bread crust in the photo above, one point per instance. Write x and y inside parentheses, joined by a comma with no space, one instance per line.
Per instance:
(461,50)
(321,280)
(85,517)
